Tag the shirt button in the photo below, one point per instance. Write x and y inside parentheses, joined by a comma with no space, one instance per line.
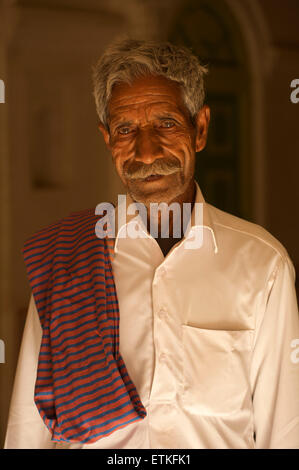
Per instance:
(163,357)
(162,314)
(162,271)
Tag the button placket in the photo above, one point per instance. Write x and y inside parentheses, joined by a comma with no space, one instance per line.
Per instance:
(162,385)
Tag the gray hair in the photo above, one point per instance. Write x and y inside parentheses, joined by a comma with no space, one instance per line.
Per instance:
(127,59)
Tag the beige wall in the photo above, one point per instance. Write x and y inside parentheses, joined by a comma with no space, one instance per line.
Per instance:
(53,159)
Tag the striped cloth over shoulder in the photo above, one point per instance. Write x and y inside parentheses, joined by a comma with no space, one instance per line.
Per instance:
(83,391)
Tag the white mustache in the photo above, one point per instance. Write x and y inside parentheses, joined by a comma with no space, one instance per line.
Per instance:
(159,167)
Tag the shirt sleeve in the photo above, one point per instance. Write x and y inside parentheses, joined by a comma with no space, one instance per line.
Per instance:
(275,364)
(26,429)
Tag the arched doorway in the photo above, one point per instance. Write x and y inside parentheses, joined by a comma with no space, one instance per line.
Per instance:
(224,168)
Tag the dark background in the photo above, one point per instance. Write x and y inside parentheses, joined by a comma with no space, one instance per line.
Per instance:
(53,159)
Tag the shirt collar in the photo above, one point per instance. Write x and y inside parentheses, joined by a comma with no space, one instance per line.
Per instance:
(122,217)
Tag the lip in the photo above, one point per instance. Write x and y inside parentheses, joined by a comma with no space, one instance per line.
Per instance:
(153,178)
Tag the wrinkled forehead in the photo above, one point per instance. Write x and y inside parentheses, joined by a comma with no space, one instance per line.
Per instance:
(144,93)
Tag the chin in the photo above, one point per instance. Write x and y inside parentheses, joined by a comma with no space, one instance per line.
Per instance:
(155,194)
(167,195)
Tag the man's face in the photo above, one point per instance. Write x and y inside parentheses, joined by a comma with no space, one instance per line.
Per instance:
(150,133)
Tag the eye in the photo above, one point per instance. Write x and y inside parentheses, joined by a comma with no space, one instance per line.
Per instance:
(167,124)
(124,130)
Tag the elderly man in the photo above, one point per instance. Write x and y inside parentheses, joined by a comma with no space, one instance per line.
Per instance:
(208,332)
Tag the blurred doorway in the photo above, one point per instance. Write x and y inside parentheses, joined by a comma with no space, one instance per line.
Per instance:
(223,169)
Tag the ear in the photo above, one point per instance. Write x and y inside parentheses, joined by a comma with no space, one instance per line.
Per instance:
(105,133)
(202,121)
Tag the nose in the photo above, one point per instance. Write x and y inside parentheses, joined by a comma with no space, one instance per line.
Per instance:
(147,146)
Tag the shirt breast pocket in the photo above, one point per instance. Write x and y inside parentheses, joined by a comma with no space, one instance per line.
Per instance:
(216,370)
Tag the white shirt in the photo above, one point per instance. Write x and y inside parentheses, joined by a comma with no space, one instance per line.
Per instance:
(210,338)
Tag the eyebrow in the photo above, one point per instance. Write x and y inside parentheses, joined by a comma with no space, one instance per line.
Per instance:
(120,123)
(115,123)
(170,113)
(124,123)
(167,115)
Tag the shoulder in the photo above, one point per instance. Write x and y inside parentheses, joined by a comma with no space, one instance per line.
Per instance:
(73,220)
(71,228)
(241,231)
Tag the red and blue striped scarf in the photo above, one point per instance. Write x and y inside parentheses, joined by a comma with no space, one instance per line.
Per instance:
(83,391)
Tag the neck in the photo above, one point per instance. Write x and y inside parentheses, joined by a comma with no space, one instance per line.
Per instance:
(170,222)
